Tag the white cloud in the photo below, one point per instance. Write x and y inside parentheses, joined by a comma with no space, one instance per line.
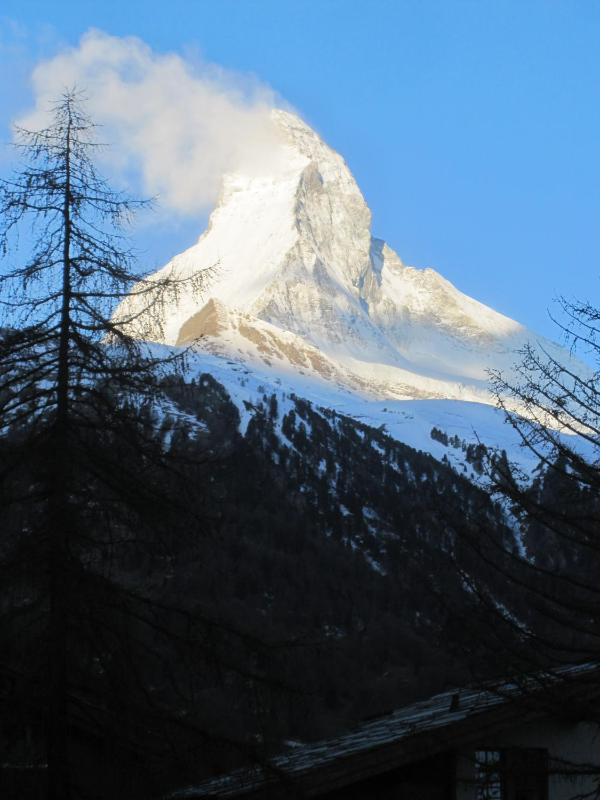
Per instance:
(176,125)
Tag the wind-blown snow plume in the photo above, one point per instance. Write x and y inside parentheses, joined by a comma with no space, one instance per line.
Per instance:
(176,124)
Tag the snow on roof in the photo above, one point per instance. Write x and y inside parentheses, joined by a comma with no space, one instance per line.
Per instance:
(438,712)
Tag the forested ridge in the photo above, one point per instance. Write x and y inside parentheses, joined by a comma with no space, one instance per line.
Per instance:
(326,565)
(318,538)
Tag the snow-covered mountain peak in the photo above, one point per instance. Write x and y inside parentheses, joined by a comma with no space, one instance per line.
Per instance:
(301,138)
(298,134)
(293,255)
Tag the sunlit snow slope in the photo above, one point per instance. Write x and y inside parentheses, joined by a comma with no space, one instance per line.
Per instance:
(301,285)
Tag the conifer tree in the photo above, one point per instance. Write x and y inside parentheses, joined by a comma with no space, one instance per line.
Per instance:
(558,509)
(536,592)
(81,472)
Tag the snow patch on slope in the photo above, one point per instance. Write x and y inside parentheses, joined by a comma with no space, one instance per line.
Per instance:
(406,421)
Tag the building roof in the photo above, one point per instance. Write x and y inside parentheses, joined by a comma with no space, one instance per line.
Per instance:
(408,734)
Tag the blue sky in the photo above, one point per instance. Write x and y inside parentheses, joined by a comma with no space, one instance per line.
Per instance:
(473,128)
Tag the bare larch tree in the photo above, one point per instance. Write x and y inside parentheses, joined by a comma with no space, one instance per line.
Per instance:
(74,383)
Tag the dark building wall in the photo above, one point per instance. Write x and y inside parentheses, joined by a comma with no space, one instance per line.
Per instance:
(430,779)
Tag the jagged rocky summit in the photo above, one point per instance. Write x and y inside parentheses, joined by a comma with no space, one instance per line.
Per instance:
(300,284)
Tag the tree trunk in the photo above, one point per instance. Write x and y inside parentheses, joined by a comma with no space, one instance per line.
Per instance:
(59,784)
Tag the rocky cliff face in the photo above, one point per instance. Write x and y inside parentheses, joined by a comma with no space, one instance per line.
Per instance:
(297,271)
